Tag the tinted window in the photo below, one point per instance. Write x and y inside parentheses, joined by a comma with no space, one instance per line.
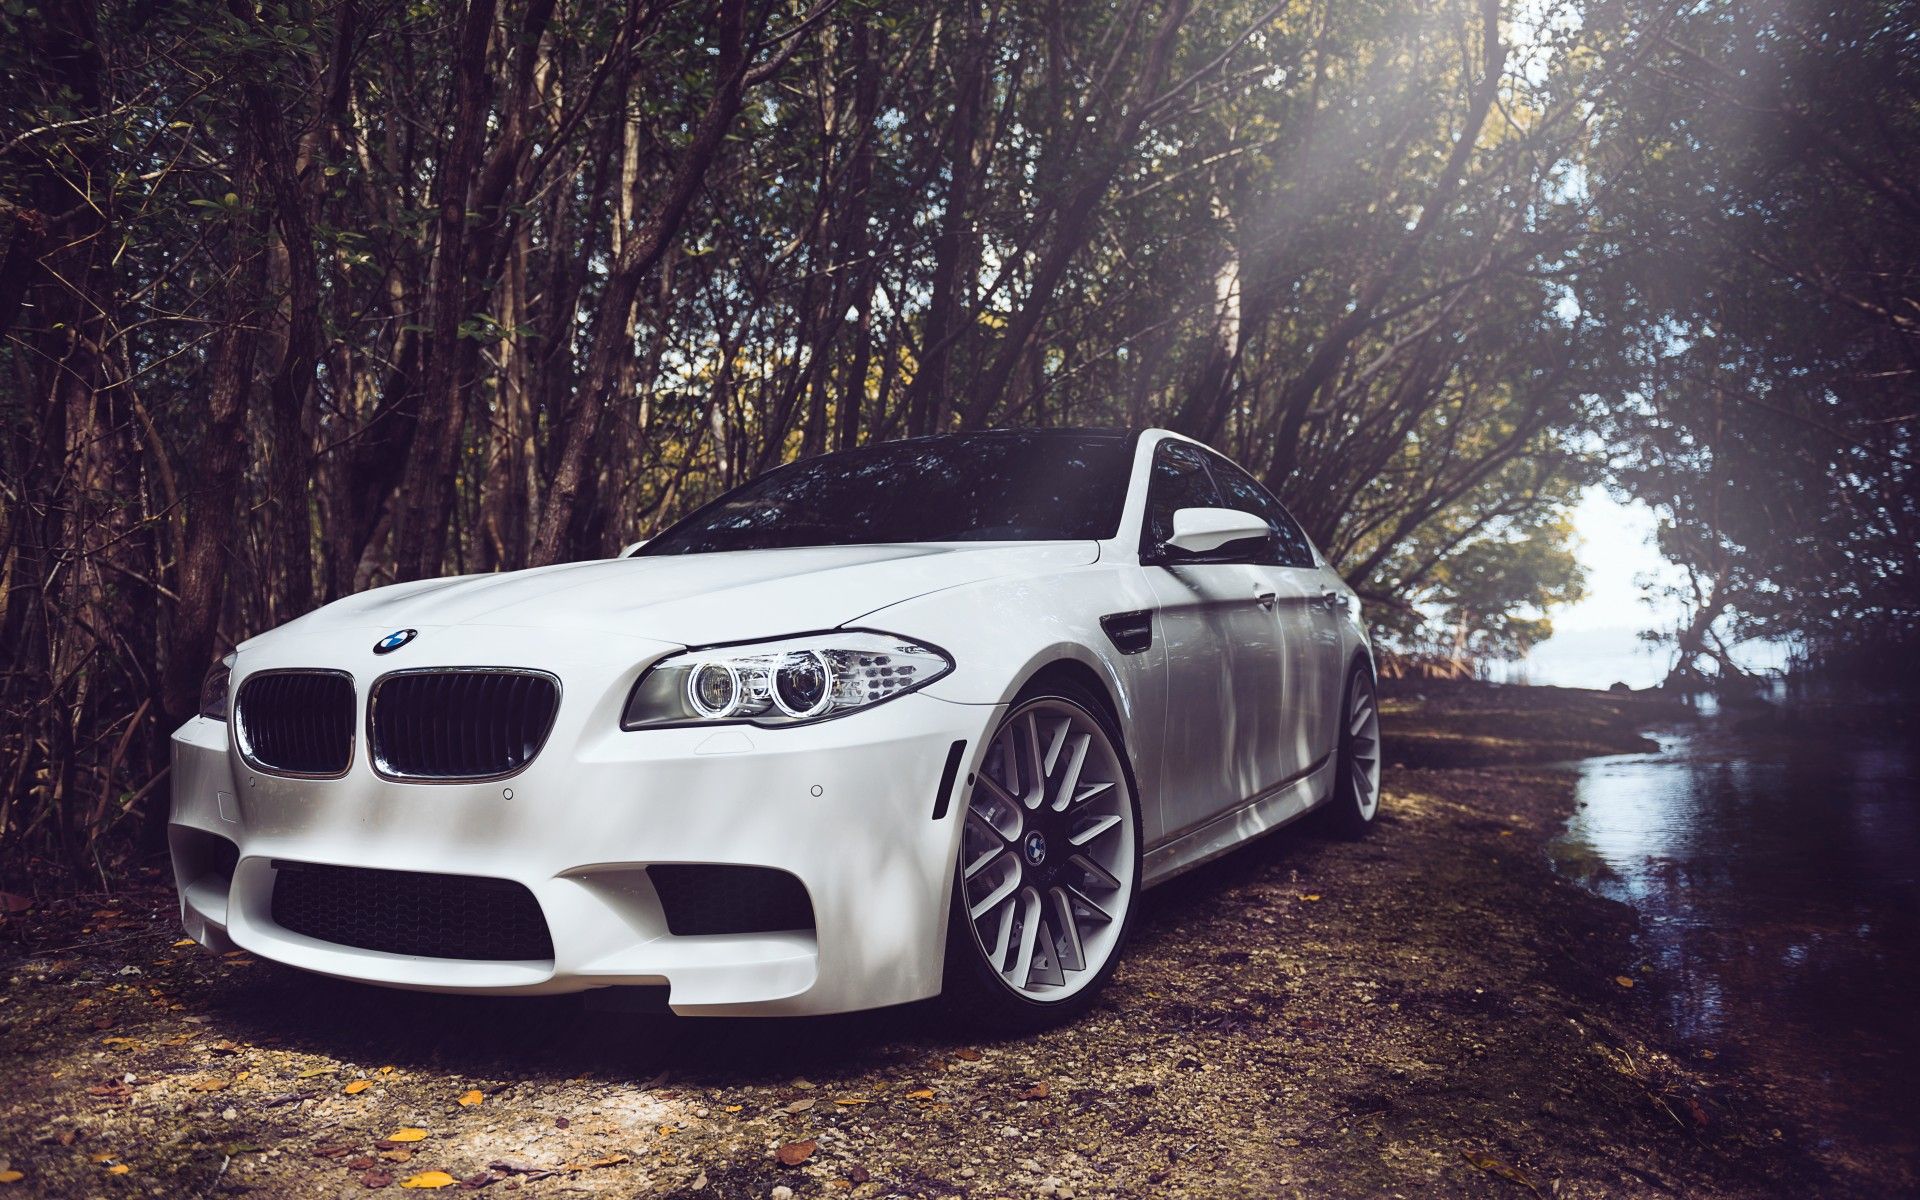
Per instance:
(967,487)
(1242,491)
(1180,480)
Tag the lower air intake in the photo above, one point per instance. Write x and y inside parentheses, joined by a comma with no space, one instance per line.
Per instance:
(699,899)
(411,912)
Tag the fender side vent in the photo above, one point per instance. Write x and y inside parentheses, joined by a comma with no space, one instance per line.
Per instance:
(1130,632)
(947,773)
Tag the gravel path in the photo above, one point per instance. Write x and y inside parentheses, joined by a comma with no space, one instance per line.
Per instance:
(1429,1012)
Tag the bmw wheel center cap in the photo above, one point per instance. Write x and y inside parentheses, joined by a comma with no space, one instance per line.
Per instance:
(395,640)
(1036,847)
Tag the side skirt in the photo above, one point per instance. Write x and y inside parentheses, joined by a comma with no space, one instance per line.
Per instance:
(1261,815)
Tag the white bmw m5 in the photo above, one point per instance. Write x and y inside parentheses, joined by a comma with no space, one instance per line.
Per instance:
(919,717)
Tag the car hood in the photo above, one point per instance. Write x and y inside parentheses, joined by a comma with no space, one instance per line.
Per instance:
(696,599)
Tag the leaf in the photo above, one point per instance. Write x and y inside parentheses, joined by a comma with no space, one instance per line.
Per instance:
(384,1071)
(611,1160)
(794,1153)
(211,1083)
(408,1134)
(376,1179)
(851,1101)
(12,1176)
(967,1054)
(183,943)
(1493,1166)
(1311,896)
(800,1106)
(1625,981)
(357,1086)
(733,1108)
(429,1179)
(118,1169)
(920,1094)
(472,1098)
(1037,1092)
(310,1072)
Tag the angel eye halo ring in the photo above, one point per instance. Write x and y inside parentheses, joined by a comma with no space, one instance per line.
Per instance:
(786,681)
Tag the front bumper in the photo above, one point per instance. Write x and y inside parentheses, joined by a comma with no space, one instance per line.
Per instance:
(846,806)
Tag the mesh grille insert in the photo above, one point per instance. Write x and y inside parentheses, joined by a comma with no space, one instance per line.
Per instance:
(701,899)
(473,724)
(298,722)
(411,912)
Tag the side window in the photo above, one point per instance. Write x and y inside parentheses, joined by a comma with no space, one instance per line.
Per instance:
(1180,480)
(1289,547)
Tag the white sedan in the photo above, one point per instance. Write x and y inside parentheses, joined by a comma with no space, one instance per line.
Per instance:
(923,716)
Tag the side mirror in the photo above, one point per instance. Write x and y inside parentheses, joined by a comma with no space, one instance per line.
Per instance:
(632,547)
(1203,530)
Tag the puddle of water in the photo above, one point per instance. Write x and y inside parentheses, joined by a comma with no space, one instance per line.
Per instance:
(1778,885)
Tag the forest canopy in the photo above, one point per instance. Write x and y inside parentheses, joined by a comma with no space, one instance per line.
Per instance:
(302,298)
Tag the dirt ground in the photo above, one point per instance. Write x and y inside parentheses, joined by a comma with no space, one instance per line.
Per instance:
(1428,1012)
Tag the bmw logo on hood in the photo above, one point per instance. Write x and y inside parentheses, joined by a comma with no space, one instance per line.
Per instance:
(395,640)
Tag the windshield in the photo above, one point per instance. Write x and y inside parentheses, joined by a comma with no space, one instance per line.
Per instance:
(1006,486)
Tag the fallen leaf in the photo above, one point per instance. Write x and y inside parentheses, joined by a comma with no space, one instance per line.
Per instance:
(408,1134)
(1625,981)
(357,1086)
(376,1179)
(429,1179)
(12,1176)
(209,1084)
(1493,1166)
(851,1101)
(395,1154)
(611,1160)
(794,1153)
(183,943)
(1311,896)
(12,902)
(310,1072)
(118,1169)
(733,1108)
(472,1098)
(967,1055)
(384,1071)
(668,1131)
(1037,1092)
(920,1094)
(800,1106)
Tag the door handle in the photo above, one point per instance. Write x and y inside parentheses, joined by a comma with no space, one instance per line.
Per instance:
(1267,600)
(1336,601)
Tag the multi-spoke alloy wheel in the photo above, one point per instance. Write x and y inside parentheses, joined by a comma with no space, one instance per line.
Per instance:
(1356,798)
(1049,855)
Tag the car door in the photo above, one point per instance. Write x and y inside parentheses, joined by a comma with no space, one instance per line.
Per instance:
(1304,698)
(1221,653)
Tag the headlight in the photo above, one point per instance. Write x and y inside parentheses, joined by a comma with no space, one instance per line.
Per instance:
(788,682)
(213,690)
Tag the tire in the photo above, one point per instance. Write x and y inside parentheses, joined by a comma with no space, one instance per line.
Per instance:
(1026,894)
(1355,804)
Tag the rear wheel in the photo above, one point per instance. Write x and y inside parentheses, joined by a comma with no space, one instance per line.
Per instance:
(1356,782)
(1049,865)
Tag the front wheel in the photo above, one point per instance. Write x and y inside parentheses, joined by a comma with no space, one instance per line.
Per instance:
(1356,781)
(1049,865)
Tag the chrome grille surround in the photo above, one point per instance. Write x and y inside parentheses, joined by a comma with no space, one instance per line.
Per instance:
(459,724)
(276,739)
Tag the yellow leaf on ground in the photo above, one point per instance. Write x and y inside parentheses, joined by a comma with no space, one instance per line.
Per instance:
(183,943)
(385,1071)
(611,1160)
(407,1135)
(358,1086)
(429,1179)
(1311,896)
(920,1094)
(310,1072)
(209,1084)
(732,1107)
(12,1176)
(118,1169)
(850,1101)
(471,1098)
(1625,981)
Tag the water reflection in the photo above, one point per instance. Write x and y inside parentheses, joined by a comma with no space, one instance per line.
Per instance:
(1778,882)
